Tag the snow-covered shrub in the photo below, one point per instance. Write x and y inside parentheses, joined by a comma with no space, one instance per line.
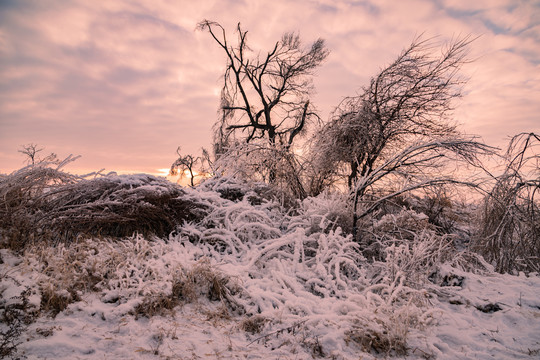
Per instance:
(202,280)
(328,210)
(446,212)
(47,204)
(120,206)
(277,165)
(23,195)
(236,189)
(271,269)
(376,234)
(509,235)
(415,260)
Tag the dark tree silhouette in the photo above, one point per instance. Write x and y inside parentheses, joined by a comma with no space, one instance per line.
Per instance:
(265,97)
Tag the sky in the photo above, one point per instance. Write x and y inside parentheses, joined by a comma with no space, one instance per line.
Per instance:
(124,83)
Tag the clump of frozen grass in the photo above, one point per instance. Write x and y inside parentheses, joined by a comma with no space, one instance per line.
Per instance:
(328,211)
(254,324)
(54,300)
(203,280)
(379,337)
(124,266)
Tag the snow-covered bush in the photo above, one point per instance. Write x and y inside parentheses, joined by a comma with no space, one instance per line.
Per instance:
(23,194)
(328,210)
(44,203)
(509,235)
(289,279)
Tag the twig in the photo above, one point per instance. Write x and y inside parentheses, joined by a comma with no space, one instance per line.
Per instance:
(280,331)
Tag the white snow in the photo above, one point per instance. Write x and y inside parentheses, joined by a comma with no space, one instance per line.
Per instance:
(299,276)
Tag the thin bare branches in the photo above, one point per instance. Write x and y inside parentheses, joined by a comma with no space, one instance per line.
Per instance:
(264,97)
(510,234)
(409,100)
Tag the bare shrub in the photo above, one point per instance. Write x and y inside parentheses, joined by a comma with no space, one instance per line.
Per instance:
(510,221)
(9,338)
(15,316)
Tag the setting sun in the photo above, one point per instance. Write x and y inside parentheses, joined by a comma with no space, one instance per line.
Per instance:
(163,172)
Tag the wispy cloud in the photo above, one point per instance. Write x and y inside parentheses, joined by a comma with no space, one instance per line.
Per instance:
(125,83)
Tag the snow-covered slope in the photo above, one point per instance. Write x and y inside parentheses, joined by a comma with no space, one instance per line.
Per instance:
(252,281)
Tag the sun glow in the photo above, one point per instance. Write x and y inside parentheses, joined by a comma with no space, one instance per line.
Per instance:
(163,172)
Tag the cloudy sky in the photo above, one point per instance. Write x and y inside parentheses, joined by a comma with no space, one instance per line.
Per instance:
(124,83)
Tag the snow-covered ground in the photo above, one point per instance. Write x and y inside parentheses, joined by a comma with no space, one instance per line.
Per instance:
(251,282)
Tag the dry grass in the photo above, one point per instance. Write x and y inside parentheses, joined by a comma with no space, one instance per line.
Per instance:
(254,324)
(388,339)
(55,301)
(189,286)
(153,305)
(204,280)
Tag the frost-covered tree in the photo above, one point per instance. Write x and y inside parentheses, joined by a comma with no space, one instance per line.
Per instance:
(510,228)
(407,101)
(395,136)
(265,105)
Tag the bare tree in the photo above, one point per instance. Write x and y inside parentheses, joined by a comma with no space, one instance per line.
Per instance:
(396,135)
(188,163)
(31,151)
(265,97)
(409,100)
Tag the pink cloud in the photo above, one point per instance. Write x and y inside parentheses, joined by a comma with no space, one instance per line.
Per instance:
(123,84)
